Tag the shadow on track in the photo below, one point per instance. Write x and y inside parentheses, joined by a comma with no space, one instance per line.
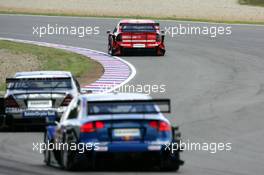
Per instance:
(22,129)
(143,53)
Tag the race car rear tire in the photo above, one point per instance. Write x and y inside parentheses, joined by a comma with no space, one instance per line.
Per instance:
(110,50)
(160,52)
(46,152)
(68,157)
(2,120)
(68,160)
(170,163)
(9,122)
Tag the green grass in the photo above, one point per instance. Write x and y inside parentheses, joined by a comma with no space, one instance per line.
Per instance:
(252,2)
(51,59)
(136,17)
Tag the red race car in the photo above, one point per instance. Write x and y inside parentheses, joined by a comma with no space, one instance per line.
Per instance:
(136,35)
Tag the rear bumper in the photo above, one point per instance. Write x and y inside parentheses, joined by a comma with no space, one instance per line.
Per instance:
(33,117)
(140,45)
(156,48)
(10,121)
(18,113)
(140,158)
(127,147)
(132,152)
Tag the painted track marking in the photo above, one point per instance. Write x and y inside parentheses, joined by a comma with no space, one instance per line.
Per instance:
(117,71)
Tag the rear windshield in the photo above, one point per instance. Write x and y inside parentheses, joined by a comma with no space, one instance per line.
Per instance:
(128,107)
(138,28)
(39,84)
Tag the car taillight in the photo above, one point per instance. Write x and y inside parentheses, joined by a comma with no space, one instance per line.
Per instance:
(67,100)
(99,125)
(87,127)
(154,124)
(91,126)
(10,102)
(164,126)
(160,125)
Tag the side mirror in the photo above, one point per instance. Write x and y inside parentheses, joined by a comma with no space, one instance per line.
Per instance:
(108,31)
(162,32)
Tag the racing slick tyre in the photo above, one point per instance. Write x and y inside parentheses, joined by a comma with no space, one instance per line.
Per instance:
(67,160)
(170,162)
(110,50)
(68,157)
(160,52)
(2,120)
(9,122)
(46,152)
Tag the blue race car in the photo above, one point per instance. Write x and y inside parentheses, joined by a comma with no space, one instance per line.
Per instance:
(106,127)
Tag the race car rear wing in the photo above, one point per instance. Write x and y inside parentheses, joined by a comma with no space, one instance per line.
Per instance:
(24,83)
(155,24)
(151,106)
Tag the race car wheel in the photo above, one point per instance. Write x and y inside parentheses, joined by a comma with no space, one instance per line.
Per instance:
(9,122)
(160,52)
(1,120)
(68,161)
(46,152)
(110,50)
(170,162)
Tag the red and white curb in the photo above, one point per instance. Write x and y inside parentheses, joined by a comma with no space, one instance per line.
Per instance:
(117,71)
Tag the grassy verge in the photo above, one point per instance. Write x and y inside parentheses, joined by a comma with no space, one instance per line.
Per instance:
(135,17)
(56,59)
(252,2)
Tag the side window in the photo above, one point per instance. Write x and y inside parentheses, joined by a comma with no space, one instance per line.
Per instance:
(75,111)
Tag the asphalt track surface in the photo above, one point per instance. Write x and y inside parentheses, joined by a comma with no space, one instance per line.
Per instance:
(216,86)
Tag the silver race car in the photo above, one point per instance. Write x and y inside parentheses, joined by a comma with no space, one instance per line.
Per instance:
(32,98)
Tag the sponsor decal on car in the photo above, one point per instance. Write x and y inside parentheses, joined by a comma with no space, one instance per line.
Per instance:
(39,114)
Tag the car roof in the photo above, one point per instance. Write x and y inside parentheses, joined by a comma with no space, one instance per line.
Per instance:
(139,21)
(43,74)
(116,96)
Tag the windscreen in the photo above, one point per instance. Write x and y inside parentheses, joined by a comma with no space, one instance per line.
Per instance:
(128,107)
(38,83)
(138,27)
